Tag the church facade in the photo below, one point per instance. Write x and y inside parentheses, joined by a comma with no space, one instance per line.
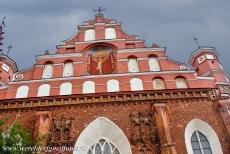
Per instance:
(104,91)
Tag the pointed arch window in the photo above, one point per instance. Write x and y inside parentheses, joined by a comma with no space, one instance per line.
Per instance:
(200,144)
(47,71)
(89,35)
(181,83)
(154,64)
(110,33)
(133,65)
(158,84)
(103,146)
(68,69)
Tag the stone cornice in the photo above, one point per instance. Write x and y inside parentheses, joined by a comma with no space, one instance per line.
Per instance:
(120,97)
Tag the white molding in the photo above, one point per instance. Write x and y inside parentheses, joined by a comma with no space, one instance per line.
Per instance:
(100,41)
(140,50)
(105,76)
(60,56)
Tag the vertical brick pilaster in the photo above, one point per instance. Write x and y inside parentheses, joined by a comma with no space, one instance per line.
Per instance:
(167,146)
(224,108)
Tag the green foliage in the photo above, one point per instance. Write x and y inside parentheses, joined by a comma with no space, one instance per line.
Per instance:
(13,138)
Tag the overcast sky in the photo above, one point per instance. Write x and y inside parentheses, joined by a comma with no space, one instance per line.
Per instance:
(33,26)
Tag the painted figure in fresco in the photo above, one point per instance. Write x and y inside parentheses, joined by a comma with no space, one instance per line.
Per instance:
(100,60)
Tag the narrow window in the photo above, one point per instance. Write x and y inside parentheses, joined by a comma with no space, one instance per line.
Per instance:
(200,144)
(47,71)
(110,33)
(22,92)
(66,89)
(113,86)
(44,90)
(88,87)
(181,83)
(133,65)
(158,84)
(154,64)
(89,35)
(68,69)
(136,84)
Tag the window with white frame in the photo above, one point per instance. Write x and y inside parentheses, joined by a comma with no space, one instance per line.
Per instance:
(201,138)
(89,35)
(154,64)
(181,83)
(66,89)
(68,69)
(47,71)
(200,144)
(44,90)
(133,65)
(158,84)
(110,33)
(22,92)
(88,87)
(113,85)
(136,84)
(103,146)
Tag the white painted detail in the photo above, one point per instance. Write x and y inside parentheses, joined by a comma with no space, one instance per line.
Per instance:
(68,69)
(133,65)
(5,67)
(208,56)
(110,33)
(136,84)
(47,71)
(22,92)
(44,90)
(181,83)
(66,89)
(201,59)
(158,84)
(88,87)
(154,64)
(207,130)
(89,35)
(113,85)
(103,128)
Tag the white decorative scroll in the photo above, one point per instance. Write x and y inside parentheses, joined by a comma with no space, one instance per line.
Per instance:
(5,67)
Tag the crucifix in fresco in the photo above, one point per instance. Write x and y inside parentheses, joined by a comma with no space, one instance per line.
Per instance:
(100,60)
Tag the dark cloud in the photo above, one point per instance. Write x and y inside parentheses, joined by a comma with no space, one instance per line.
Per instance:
(34,26)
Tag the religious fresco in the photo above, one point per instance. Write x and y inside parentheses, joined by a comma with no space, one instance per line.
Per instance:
(101,60)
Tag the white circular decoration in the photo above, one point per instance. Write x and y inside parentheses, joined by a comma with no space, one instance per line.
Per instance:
(18,77)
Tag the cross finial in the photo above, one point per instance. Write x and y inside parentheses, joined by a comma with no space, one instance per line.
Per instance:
(197,43)
(99,10)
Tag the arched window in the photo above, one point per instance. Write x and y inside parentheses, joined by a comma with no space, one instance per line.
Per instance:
(113,86)
(133,65)
(158,84)
(44,90)
(136,84)
(47,71)
(89,35)
(200,144)
(22,92)
(103,146)
(154,64)
(66,89)
(88,87)
(201,138)
(181,82)
(110,33)
(102,134)
(68,69)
